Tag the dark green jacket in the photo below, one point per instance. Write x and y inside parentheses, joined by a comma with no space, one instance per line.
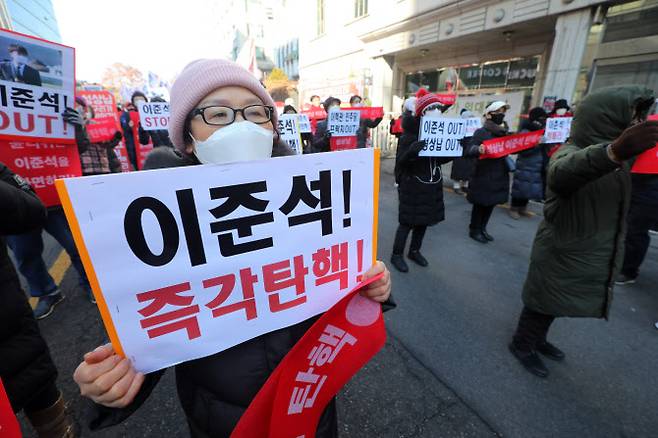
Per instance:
(578,249)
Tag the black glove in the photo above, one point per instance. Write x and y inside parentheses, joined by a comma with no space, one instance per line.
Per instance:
(73,117)
(118,136)
(635,140)
(417,146)
(327,134)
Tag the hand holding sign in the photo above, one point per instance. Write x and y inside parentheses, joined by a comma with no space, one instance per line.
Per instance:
(635,140)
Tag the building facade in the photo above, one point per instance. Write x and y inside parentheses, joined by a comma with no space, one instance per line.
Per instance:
(523,50)
(31,17)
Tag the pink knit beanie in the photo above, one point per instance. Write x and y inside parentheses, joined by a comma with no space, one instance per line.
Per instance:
(201,77)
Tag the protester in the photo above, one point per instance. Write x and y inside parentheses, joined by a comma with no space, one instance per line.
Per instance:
(489,185)
(28,247)
(127,126)
(322,137)
(420,185)
(642,216)
(157,137)
(561,109)
(26,369)
(463,167)
(529,175)
(307,137)
(362,134)
(94,160)
(315,101)
(578,247)
(214,391)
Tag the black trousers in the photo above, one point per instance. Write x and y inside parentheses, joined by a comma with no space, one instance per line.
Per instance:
(532,329)
(402,234)
(641,218)
(480,216)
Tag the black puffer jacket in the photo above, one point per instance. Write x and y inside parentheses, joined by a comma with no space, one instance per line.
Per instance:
(420,182)
(464,166)
(529,176)
(362,132)
(159,137)
(215,391)
(25,363)
(489,184)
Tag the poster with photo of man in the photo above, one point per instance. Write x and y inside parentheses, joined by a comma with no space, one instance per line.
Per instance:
(37,83)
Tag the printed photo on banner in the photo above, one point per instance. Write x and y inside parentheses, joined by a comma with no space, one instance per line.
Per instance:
(343,123)
(153,116)
(187,262)
(442,136)
(557,129)
(37,82)
(288,128)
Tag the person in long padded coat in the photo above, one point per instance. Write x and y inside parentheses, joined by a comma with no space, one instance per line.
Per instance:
(420,186)
(214,104)
(529,175)
(26,368)
(579,246)
(489,185)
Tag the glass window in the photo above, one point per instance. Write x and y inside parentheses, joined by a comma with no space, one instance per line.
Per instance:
(469,77)
(416,81)
(522,73)
(645,73)
(636,24)
(360,8)
(494,75)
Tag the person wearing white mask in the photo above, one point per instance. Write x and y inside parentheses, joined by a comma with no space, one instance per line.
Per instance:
(219,113)
(561,109)
(18,70)
(363,135)
(420,184)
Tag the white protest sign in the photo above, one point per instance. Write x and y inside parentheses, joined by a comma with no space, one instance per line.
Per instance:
(343,123)
(557,129)
(472,125)
(289,131)
(442,136)
(153,115)
(304,123)
(188,261)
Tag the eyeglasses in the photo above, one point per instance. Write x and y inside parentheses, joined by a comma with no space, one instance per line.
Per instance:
(224,115)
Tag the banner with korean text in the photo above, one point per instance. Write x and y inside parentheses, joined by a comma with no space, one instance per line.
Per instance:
(153,115)
(37,82)
(189,261)
(289,131)
(510,144)
(442,136)
(557,129)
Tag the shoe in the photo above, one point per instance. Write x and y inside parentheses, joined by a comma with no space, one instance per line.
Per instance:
(417,257)
(550,351)
(530,361)
(54,421)
(623,279)
(478,236)
(398,261)
(47,304)
(487,236)
(514,214)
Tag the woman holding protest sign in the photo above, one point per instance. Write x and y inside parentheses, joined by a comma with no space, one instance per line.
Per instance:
(489,184)
(420,185)
(322,136)
(219,113)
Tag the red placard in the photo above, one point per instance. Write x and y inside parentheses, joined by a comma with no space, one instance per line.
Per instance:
(142,149)
(342,143)
(368,112)
(41,164)
(648,161)
(9,427)
(315,112)
(344,339)
(447,98)
(101,129)
(510,144)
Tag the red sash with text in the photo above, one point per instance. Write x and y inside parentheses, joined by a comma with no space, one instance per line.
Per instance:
(510,144)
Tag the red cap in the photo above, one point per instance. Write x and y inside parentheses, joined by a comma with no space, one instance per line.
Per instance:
(424,99)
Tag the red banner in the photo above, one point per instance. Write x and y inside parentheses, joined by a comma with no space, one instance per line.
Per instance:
(447,98)
(510,144)
(340,343)
(41,164)
(101,129)
(142,149)
(369,112)
(9,427)
(342,143)
(648,161)
(315,112)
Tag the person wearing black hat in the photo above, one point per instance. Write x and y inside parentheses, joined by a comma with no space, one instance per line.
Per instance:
(529,176)
(322,134)
(561,109)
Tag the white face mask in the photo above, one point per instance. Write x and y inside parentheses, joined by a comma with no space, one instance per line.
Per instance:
(433,113)
(239,141)
(561,111)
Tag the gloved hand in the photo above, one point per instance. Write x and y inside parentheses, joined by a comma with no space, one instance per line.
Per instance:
(635,140)
(73,117)
(118,136)
(327,134)
(417,146)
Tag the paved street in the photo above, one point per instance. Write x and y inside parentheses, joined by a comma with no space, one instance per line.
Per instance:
(446,370)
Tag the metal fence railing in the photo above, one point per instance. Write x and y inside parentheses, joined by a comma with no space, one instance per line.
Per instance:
(382,138)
